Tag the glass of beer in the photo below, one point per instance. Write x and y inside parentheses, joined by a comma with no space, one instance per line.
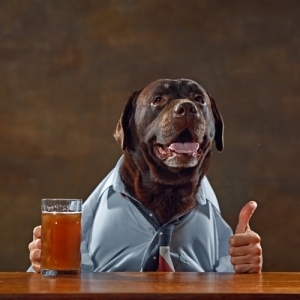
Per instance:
(61,237)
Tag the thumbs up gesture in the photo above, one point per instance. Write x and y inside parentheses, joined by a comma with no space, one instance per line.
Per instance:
(245,249)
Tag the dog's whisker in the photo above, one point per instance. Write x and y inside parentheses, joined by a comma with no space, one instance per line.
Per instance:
(179,176)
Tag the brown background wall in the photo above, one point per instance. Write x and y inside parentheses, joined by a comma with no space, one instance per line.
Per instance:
(67,68)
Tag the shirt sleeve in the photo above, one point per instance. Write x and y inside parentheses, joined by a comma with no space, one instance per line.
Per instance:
(88,213)
(224,232)
(225,265)
(30,269)
(89,209)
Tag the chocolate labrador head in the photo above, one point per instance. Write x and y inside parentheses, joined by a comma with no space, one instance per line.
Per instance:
(166,132)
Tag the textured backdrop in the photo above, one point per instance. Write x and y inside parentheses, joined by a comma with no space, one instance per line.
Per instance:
(67,68)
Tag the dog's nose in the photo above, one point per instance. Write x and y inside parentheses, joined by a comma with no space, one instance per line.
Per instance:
(185,109)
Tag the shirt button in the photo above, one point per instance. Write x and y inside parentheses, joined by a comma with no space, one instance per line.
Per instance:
(150,215)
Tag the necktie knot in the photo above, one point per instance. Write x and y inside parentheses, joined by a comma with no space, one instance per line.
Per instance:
(165,234)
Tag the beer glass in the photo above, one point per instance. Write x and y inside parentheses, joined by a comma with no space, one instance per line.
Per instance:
(61,237)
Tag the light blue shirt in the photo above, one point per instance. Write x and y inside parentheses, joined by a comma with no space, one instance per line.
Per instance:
(117,237)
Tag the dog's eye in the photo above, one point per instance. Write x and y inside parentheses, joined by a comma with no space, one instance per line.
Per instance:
(157,100)
(200,99)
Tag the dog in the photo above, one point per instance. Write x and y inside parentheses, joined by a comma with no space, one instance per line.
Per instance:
(158,196)
(166,132)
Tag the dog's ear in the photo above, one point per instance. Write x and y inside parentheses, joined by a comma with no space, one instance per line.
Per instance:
(219,125)
(122,131)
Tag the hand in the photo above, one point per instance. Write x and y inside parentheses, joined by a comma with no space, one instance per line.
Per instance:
(35,249)
(245,249)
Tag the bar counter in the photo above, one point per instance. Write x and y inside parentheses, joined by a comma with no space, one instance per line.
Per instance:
(153,285)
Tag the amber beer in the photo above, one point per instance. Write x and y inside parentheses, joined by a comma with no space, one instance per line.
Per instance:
(61,237)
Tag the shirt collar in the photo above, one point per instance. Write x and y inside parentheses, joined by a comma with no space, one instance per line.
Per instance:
(200,195)
(116,180)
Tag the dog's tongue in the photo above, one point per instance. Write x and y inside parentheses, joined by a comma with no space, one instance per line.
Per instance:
(184,147)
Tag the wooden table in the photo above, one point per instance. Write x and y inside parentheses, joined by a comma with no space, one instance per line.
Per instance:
(151,286)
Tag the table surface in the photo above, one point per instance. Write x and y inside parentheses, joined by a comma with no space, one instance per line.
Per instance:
(152,285)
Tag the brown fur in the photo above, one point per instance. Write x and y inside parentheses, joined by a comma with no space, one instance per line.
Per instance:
(164,112)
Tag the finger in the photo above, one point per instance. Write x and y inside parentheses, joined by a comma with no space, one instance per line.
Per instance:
(36,267)
(36,244)
(244,217)
(246,259)
(239,251)
(240,260)
(246,250)
(244,239)
(247,268)
(37,232)
(35,257)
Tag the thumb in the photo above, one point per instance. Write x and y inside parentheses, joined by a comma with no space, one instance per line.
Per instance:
(244,217)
